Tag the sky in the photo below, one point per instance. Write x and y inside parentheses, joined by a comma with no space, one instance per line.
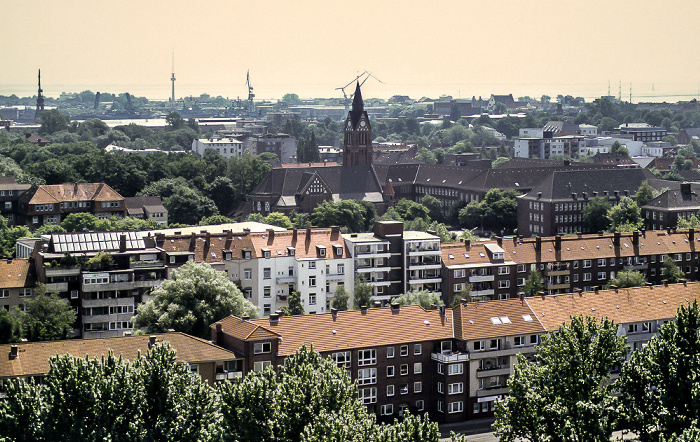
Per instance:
(449,47)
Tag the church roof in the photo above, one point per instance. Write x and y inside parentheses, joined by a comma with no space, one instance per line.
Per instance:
(358,107)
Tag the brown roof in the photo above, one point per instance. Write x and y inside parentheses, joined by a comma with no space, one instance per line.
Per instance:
(56,193)
(245,329)
(351,329)
(320,164)
(16,273)
(210,251)
(34,357)
(461,253)
(304,244)
(506,317)
(622,306)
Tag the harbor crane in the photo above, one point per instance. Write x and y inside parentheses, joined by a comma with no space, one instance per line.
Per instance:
(348,99)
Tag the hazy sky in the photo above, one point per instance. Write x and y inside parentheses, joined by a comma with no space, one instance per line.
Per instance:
(417,48)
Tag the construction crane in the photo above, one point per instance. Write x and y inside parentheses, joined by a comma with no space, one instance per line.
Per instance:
(348,99)
(251,95)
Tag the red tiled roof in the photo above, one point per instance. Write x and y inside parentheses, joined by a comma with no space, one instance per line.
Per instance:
(16,273)
(506,317)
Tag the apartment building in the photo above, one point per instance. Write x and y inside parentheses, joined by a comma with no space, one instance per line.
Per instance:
(565,263)
(31,359)
(664,211)
(148,208)
(17,282)
(451,363)
(50,204)
(105,293)
(10,193)
(226,147)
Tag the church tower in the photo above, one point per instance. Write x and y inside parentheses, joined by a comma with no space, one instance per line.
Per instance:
(39,101)
(357,143)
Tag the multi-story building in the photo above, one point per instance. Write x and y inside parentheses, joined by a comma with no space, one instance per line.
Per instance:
(50,204)
(546,148)
(226,147)
(555,205)
(642,132)
(282,145)
(10,193)
(31,359)
(107,292)
(148,208)
(17,282)
(664,211)
(451,363)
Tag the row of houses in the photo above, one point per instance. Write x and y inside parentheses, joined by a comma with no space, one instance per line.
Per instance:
(452,363)
(35,206)
(269,264)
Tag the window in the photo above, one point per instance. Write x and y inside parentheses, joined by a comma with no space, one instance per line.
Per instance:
(366,376)
(390,371)
(404,350)
(440,368)
(390,352)
(495,344)
(312,298)
(25,292)
(477,407)
(267,291)
(312,281)
(586,276)
(440,387)
(458,287)
(366,357)
(403,389)
(266,273)
(453,369)
(417,349)
(632,328)
(446,347)
(521,268)
(534,339)
(262,347)
(521,282)
(404,369)
(503,270)
(417,368)
(312,264)
(367,395)
(503,284)
(73,294)
(455,407)
(479,345)
(586,263)
(518,341)
(387,409)
(417,387)
(678,257)
(575,264)
(5,293)
(456,388)
(261,365)
(420,405)
(341,269)
(440,406)
(342,359)
(602,275)
(459,273)
(389,390)
(601,262)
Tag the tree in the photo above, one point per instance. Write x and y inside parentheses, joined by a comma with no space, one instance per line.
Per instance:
(355,215)
(627,212)
(291,99)
(627,278)
(499,161)
(175,121)
(464,295)
(278,219)
(424,298)
(658,385)
(340,298)
(187,206)
(195,297)
(670,271)
(53,121)
(295,305)
(10,326)
(567,395)
(533,284)
(79,222)
(434,207)
(362,294)
(595,214)
(644,194)
(47,317)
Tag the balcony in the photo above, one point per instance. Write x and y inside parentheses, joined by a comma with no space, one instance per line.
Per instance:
(286,279)
(499,370)
(370,254)
(107,318)
(107,302)
(156,264)
(146,283)
(636,266)
(425,280)
(557,286)
(56,287)
(450,357)
(485,292)
(229,376)
(493,391)
(424,252)
(335,276)
(556,272)
(368,269)
(481,278)
(62,271)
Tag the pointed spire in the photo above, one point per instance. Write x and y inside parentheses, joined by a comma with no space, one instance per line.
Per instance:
(357,104)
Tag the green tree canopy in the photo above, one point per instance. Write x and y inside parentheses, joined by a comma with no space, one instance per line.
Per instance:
(627,278)
(533,283)
(567,394)
(47,317)
(340,298)
(362,294)
(627,213)
(195,297)
(595,214)
(295,305)
(670,271)
(53,121)
(644,194)
(424,298)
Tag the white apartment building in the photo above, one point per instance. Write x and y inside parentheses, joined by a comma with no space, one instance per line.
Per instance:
(226,147)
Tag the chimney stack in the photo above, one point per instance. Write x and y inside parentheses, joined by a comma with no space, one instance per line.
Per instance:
(442,311)
(334,313)
(377,304)
(271,233)
(363,309)
(294,236)
(122,243)
(151,341)
(616,240)
(499,240)
(691,235)
(538,244)
(246,318)
(274,318)
(635,237)
(433,306)
(395,307)
(557,243)
(14,351)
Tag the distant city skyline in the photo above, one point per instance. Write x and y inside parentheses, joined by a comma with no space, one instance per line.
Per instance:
(458,48)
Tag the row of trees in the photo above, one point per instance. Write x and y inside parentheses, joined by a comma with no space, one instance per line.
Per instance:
(567,393)
(155,398)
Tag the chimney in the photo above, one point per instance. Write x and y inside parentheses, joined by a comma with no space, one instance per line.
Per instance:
(468,244)
(271,233)
(14,351)
(246,231)
(219,338)
(557,243)
(151,341)
(541,293)
(274,318)
(334,313)
(377,304)
(335,230)
(595,194)
(616,240)
(363,309)
(499,240)
(193,241)
(207,236)
(665,281)
(685,189)
(585,195)
(433,306)
(246,318)
(395,307)
(442,311)
(122,243)
(538,244)
(596,289)
(574,195)
(308,234)
(635,237)
(691,235)
(294,236)
(617,194)
(539,195)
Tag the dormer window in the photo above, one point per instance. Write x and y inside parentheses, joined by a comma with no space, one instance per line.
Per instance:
(246,254)
(266,253)
(290,251)
(338,250)
(321,251)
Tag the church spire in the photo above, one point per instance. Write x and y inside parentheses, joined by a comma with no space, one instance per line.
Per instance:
(39,101)
(357,143)
(358,106)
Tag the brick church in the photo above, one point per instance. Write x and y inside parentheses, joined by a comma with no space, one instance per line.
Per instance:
(302,189)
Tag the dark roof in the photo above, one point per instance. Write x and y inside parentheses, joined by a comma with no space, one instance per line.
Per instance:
(139,202)
(358,108)
(9,183)
(610,158)
(677,199)
(560,184)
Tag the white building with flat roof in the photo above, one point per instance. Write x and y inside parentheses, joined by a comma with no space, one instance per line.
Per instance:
(226,147)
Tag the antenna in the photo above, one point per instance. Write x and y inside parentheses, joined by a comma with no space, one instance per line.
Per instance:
(172,79)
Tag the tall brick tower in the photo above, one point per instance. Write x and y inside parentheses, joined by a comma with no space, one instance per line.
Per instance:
(39,101)
(357,143)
